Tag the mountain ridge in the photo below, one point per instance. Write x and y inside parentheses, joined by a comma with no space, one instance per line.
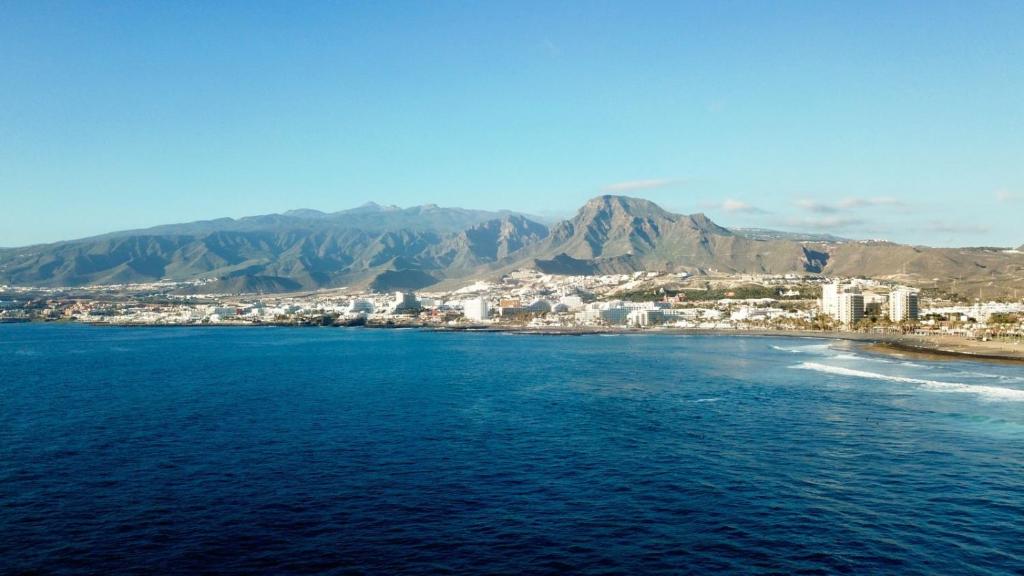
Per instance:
(370,217)
(387,247)
(611,234)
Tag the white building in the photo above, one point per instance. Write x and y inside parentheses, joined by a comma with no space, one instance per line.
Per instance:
(359,306)
(404,302)
(981,311)
(645,317)
(574,303)
(475,309)
(903,305)
(843,303)
(603,313)
(851,307)
(830,299)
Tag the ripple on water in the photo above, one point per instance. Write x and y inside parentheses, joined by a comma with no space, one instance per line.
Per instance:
(320,451)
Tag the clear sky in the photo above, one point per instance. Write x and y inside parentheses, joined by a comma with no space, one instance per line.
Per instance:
(897,120)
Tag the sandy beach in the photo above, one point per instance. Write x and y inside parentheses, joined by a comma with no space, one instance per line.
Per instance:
(936,347)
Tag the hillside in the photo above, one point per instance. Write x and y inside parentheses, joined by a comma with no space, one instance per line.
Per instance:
(619,234)
(389,247)
(767,234)
(280,252)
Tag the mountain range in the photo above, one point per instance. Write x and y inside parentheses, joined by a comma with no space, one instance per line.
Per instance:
(386,247)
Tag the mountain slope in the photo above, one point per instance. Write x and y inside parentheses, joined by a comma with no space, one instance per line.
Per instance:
(885,259)
(618,234)
(490,241)
(389,248)
(768,234)
(369,217)
(279,252)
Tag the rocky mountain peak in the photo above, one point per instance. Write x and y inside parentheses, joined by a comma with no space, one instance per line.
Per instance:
(620,208)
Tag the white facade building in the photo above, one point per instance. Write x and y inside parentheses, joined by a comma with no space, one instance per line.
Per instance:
(645,317)
(830,299)
(404,302)
(843,303)
(903,305)
(605,313)
(475,309)
(851,307)
(359,306)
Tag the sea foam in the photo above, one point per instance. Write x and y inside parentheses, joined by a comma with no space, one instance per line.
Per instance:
(990,392)
(804,349)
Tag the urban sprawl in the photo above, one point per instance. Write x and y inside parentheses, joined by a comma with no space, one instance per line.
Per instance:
(527,299)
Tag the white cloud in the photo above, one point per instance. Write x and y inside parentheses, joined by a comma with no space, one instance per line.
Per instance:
(869,202)
(849,203)
(817,207)
(635,185)
(740,207)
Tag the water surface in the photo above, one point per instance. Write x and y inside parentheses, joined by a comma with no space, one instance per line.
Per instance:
(301,451)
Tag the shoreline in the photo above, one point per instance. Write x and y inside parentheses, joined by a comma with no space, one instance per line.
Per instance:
(937,348)
(944,348)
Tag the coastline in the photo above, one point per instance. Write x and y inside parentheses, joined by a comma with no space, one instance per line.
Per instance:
(949,348)
(936,347)
(933,347)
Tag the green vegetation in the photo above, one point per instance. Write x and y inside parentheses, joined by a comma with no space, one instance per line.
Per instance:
(749,291)
(651,295)
(752,291)
(1004,318)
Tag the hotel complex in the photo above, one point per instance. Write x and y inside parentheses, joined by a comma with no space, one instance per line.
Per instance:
(848,304)
(903,305)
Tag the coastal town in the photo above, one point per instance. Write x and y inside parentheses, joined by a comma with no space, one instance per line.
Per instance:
(530,300)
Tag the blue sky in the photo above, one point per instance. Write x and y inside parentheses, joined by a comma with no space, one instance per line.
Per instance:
(897,120)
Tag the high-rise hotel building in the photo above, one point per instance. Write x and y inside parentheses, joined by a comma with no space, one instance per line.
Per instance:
(903,305)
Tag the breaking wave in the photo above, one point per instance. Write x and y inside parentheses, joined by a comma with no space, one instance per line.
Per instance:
(991,392)
(1002,377)
(803,349)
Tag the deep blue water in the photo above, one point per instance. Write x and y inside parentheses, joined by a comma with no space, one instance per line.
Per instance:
(299,451)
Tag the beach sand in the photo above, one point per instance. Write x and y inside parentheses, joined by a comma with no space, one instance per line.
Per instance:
(936,347)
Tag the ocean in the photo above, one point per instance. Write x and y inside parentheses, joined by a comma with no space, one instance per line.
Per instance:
(362,451)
